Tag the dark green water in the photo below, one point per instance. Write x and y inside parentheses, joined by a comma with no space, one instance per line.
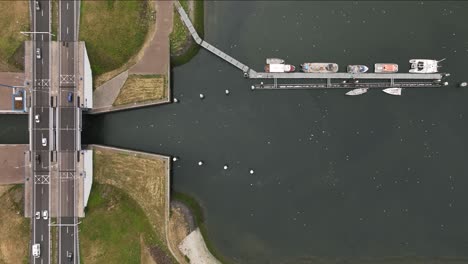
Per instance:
(336,177)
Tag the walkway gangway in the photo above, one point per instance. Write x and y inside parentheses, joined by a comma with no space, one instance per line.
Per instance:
(206,45)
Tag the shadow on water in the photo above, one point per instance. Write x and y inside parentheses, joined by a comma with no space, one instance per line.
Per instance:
(14,129)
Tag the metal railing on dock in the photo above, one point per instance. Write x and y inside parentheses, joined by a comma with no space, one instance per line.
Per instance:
(349,85)
(343,75)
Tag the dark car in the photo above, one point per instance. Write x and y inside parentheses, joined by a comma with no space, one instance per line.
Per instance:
(70,97)
(38,158)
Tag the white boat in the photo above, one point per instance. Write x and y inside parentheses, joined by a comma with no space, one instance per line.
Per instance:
(274,61)
(319,67)
(385,67)
(279,68)
(392,91)
(424,66)
(357,91)
(357,68)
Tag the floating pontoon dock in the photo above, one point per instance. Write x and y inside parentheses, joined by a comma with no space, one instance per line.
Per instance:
(423,80)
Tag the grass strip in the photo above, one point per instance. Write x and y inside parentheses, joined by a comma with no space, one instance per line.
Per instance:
(114,31)
(183,47)
(142,88)
(14,18)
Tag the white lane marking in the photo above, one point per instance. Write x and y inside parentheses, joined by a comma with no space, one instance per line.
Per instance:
(42,12)
(42,237)
(67,54)
(67,229)
(67,5)
(67,197)
(67,30)
(42,190)
(42,37)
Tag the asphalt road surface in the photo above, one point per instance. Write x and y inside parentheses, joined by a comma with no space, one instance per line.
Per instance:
(67,134)
(41,130)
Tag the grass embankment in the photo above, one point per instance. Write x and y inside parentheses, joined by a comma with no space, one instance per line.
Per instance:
(14,228)
(197,211)
(115,228)
(141,183)
(183,47)
(142,88)
(114,31)
(13,19)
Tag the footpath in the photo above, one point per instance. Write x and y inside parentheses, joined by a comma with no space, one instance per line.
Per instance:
(155,61)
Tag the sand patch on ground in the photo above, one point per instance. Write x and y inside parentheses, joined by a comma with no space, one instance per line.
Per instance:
(194,247)
(178,230)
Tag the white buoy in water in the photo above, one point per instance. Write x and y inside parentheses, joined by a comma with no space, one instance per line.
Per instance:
(175,159)
(202,96)
(445,83)
(200,163)
(225,167)
(252,87)
(356,81)
(463,84)
(343,82)
(252,171)
(176,100)
(226,92)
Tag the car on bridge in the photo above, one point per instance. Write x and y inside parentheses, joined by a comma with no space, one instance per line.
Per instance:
(38,53)
(36,118)
(44,142)
(70,97)
(36,250)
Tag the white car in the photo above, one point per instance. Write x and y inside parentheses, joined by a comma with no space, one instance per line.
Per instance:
(36,250)
(38,6)
(38,215)
(45,215)
(44,142)
(38,53)
(36,118)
